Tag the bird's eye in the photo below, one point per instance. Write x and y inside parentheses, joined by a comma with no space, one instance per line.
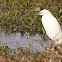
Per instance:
(40,12)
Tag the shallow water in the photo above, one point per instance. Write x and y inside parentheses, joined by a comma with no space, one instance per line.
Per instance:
(13,40)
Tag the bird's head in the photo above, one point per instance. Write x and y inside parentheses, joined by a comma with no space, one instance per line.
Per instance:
(44,12)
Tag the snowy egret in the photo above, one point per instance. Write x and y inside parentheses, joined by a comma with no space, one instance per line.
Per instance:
(51,26)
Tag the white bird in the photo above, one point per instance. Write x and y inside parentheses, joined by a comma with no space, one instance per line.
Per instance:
(51,26)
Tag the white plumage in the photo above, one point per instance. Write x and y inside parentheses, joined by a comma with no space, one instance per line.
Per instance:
(51,26)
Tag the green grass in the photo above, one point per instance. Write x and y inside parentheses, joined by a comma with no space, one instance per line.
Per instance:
(16,15)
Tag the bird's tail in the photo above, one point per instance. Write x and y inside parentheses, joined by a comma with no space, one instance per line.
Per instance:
(58,38)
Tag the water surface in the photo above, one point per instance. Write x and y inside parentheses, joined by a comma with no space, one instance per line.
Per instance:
(13,40)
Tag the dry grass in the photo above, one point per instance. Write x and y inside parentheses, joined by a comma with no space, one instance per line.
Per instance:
(54,54)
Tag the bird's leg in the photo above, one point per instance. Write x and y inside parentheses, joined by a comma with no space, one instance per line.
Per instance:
(53,50)
(49,45)
(52,42)
(52,55)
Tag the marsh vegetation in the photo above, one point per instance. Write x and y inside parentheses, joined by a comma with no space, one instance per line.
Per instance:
(18,16)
